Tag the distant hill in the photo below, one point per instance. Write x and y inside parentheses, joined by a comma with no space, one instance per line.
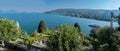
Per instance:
(86,13)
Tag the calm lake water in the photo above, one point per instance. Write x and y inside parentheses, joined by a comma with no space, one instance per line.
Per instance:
(30,21)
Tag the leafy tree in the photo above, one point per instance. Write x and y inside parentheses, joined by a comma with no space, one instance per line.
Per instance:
(77,26)
(103,36)
(94,34)
(42,27)
(66,38)
(8,30)
(28,40)
(115,40)
(35,33)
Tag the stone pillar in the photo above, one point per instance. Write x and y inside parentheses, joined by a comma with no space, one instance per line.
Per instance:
(17,24)
(111,19)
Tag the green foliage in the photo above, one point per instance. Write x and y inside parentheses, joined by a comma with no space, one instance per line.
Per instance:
(119,20)
(8,30)
(86,43)
(77,26)
(42,27)
(105,35)
(35,33)
(28,40)
(94,32)
(23,33)
(16,42)
(66,38)
(47,32)
(115,40)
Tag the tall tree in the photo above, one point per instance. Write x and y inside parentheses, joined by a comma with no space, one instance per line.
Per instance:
(77,26)
(42,27)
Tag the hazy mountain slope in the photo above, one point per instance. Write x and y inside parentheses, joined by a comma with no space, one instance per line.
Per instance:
(86,13)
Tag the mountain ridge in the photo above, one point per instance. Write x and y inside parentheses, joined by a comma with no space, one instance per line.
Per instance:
(98,14)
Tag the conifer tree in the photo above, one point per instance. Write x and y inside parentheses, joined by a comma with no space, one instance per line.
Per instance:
(42,27)
(77,26)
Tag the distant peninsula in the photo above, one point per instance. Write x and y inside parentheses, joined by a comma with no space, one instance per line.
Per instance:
(97,14)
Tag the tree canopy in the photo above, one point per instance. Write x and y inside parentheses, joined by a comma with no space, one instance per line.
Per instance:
(67,38)
(8,30)
(77,26)
(106,36)
(35,33)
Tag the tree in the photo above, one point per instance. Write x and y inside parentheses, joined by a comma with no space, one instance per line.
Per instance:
(42,27)
(66,38)
(8,30)
(35,33)
(77,26)
(103,36)
(28,40)
(94,34)
(115,41)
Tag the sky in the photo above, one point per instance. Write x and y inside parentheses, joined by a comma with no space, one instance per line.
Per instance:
(47,5)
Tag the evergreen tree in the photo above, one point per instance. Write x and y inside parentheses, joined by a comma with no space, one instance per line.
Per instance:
(77,26)
(42,27)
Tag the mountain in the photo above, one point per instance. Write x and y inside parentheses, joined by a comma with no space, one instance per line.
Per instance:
(97,14)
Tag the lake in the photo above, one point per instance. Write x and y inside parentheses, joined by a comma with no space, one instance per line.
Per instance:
(30,21)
